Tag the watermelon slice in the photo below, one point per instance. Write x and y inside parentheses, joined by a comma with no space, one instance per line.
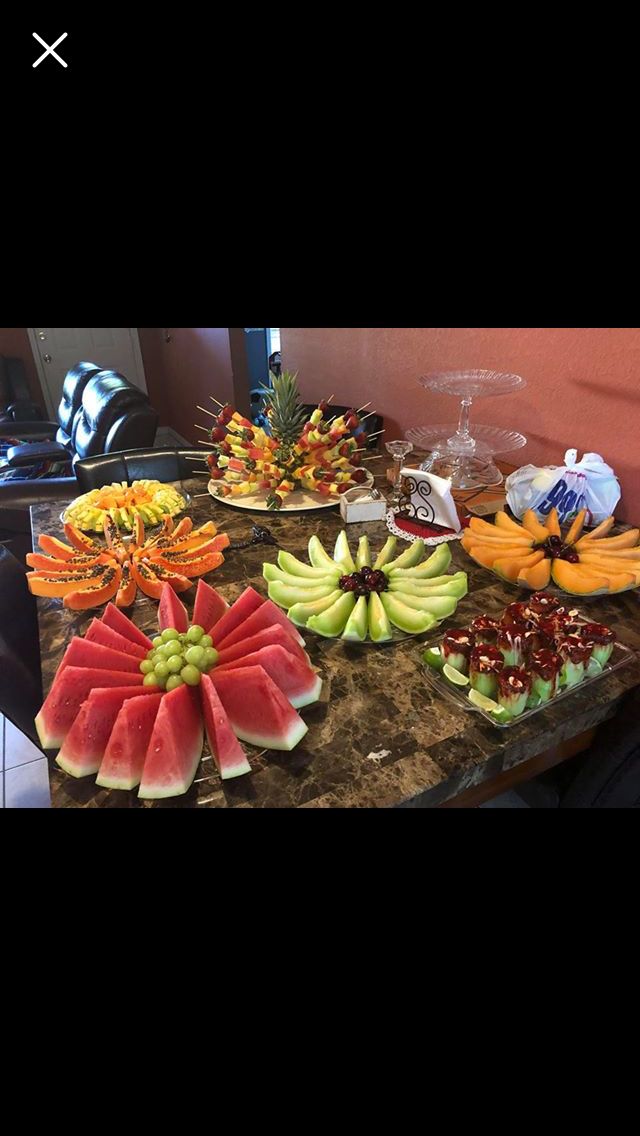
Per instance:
(295,677)
(172,612)
(274,636)
(266,616)
(249,602)
(258,710)
(99,633)
(175,748)
(125,754)
(225,748)
(121,623)
(82,653)
(210,607)
(85,744)
(66,696)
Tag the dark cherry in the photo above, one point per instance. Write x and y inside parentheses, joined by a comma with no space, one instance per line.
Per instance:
(570,555)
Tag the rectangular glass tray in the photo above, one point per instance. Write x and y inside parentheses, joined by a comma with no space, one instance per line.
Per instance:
(460,697)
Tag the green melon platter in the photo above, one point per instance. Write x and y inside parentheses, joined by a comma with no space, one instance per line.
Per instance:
(364,600)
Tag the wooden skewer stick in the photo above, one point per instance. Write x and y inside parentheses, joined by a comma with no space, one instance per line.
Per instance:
(220,404)
(199,427)
(208,444)
(377,434)
(207,412)
(365,407)
(376,458)
(371,414)
(330,400)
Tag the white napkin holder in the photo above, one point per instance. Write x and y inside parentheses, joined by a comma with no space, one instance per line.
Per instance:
(359,506)
(428,499)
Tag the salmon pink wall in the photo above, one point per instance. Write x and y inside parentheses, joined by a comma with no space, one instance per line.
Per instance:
(583,392)
(14,342)
(180,374)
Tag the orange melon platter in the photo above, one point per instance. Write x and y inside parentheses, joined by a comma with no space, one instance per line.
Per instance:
(532,554)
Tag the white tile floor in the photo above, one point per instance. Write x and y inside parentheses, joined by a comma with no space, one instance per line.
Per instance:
(24,772)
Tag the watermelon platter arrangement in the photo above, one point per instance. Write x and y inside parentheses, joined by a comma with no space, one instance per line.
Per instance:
(134,712)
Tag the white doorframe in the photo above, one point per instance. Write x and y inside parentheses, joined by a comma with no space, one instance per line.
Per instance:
(52,410)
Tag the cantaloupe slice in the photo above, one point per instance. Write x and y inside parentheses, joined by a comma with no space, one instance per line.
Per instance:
(612,568)
(506,524)
(618,555)
(533,526)
(484,531)
(602,530)
(537,578)
(577,580)
(511,568)
(553,523)
(486,555)
(575,532)
(612,543)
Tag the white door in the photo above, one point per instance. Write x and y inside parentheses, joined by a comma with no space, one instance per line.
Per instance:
(57,349)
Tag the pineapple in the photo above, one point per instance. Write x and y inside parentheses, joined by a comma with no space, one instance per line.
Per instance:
(286,414)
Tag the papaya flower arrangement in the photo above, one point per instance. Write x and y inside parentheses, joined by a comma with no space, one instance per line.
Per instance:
(318,453)
(85,574)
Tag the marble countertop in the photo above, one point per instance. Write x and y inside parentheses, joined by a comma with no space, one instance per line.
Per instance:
(380,737)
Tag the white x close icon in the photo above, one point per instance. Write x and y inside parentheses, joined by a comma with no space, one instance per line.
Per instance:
(50,50)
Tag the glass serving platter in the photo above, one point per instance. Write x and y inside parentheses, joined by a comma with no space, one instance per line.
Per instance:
(621,657)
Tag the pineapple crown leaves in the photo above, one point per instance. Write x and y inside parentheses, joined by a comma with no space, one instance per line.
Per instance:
(286,414)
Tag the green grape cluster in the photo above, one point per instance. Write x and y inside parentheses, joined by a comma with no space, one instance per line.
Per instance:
(178,659)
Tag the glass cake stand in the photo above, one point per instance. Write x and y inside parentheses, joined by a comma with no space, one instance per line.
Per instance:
(459,452)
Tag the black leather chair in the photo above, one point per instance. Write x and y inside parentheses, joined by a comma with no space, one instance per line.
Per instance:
(16,404)
(71,403)
(112,415)
(137,465)
(21,685)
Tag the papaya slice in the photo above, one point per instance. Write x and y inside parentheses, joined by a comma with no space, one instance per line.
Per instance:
(537,578)
(612,543)
(115,542)
(533,526)
(168,525)
(146,579)
(54,547)
(81,542)
(50,565)
(138,531)
(62,584)
(95,595)
(602,530)
(575,532)
(192,568)
(178,583)
(216,544)
(128,588)
(506,524)
(553,523)
(510,569)
(183,529)
(577,580)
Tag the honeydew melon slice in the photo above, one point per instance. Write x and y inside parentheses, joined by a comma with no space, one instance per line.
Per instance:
(442,607)
(455,588)
(358,625)
(342,554)
(363,559)
(380,629)
(294,567)
(285,596)
(420,603)
(319,556)
(271,573)
(333,621)
(410,558)
(406,618)
(301,613)
(436,565)
(386,553)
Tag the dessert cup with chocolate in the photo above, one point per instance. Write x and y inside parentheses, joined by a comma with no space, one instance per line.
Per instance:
(514,689)
(485,666)
(512,642)
(575,654)
(456,649)
(546,666)
(602,639)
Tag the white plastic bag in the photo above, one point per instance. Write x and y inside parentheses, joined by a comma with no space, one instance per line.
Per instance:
(590,484)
